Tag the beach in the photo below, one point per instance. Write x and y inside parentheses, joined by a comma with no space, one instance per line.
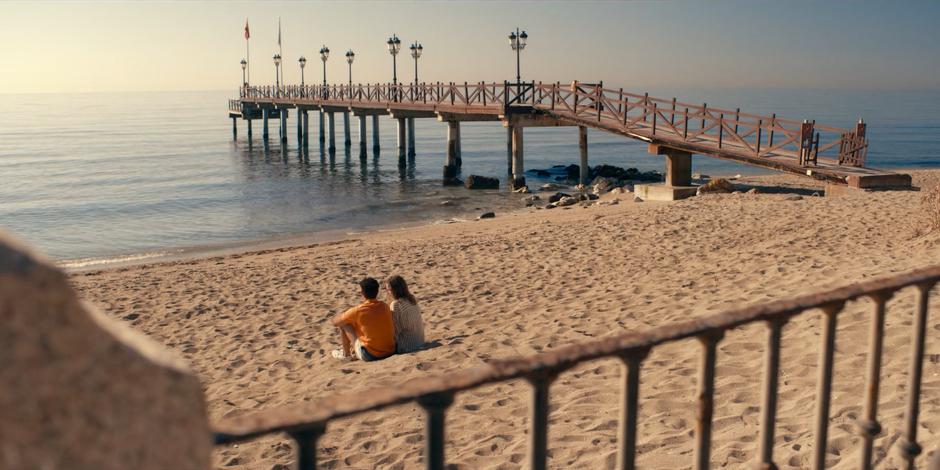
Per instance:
(255,325)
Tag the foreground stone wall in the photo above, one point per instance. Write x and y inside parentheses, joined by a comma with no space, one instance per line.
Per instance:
(81,391)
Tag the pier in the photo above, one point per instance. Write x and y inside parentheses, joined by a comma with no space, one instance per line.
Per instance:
(673,129)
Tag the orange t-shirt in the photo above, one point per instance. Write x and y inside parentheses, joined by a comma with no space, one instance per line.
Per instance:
(372,321)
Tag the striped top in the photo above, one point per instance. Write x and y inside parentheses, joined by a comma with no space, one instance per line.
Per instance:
(409,328)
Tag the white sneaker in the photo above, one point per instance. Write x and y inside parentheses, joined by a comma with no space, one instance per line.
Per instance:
(338,354)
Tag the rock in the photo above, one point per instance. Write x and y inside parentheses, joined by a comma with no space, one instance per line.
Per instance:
(566,201)
(557,197)
(481,182)
(448,203)
(718,185)
(551,205)
(532,198)
(620,174)
(601,185)
(550,187)
(573,172)
(522,190)
(793,197)
(617,191)
(453,182)
(487,215)
(637,199)
(79,389)
(541,173)
(699,176)
(753,191)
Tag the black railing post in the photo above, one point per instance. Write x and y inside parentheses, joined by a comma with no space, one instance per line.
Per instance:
(306,441)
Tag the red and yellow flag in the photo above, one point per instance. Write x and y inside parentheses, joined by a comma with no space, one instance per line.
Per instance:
(246,30)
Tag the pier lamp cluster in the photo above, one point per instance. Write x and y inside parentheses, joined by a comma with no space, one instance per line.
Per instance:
(277,69)
(517,41)
(416,50)
(350,57)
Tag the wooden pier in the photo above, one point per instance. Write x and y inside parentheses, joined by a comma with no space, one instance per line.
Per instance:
(674,129)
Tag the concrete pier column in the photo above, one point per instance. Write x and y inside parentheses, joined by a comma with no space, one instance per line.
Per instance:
(331,123)
(306,129)
(459,147)
(678,183)
(375,133)
(362,135)
(300,127)
(450,163)
(264,120)
(582,145)
(322,127)
(401,140)
(234,128)
(283,117)
(518,162)
(348,140)
(411,137)
(509,150)
(249,130)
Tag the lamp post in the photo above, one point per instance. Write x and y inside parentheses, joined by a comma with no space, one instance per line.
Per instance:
(416,50)
(324,54)
(350,57)
(517,41)
(303,63)
(277,70)
(394,45)
(244,77)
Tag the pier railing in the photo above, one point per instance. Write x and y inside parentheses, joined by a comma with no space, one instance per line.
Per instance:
(695,127)
(306,423)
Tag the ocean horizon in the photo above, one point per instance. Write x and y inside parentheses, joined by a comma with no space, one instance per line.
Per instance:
(139,175)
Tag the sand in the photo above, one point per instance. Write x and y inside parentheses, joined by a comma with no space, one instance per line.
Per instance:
(255,325)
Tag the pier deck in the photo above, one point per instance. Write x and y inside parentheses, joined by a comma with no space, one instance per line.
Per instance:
(806,148)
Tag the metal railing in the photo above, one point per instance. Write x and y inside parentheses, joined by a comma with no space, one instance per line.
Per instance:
(307,423)
(698,128)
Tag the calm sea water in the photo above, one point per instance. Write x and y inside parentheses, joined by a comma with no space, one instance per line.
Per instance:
(91,178)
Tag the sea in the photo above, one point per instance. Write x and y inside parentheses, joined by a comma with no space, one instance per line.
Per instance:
(98,179)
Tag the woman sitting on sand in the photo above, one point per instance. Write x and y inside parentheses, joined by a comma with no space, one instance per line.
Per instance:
(409,328)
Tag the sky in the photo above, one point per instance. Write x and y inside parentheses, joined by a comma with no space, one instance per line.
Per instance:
(95,46)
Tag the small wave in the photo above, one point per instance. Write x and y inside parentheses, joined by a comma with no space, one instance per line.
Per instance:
(108,261)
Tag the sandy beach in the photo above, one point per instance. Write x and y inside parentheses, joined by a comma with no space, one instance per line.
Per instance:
(255,325)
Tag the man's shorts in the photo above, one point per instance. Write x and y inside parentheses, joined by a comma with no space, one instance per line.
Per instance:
(363,354)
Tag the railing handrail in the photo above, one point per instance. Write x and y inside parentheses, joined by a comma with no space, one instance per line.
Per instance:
(316,413)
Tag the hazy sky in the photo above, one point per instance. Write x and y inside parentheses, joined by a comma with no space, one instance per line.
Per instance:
(136,46)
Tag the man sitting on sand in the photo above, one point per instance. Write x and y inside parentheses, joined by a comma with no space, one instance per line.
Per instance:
(366,329)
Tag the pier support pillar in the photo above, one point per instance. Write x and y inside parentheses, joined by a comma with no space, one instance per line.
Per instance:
(283,118)
(306,129)
(234,128)
(583,146)
(331,123)
(348,140)
(362,135)
(459,147)
(509,150)
(450,164)
(322,127)
(264,124)
(375,133)
(401,141)
(678,183)
(518,162)
(249,130)
(411,137)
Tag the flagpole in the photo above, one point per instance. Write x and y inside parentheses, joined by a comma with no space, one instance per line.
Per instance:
(248,59)
(280,50)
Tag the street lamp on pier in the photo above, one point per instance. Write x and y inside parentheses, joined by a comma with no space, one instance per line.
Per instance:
(350,57)
(324,54)
(416,50)
(517,41)
(394,45)
(277,70)
(303,63)
(244,77)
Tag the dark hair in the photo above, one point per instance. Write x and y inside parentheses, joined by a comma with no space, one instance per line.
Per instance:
(399,289)
(370,288)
